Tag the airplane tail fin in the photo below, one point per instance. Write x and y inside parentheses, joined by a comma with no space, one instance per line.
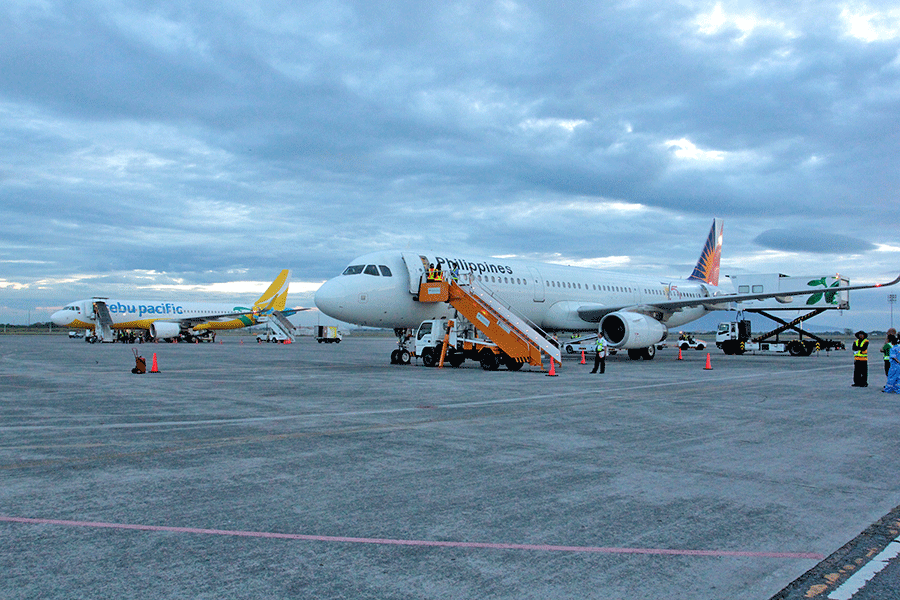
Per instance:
(707,269)
(275,298)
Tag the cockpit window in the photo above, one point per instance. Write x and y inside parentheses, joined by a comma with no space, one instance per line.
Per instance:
(385,272)
(354,270)
(371,270)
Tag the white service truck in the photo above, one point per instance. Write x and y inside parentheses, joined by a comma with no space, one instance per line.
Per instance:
(461,344)
(328,334)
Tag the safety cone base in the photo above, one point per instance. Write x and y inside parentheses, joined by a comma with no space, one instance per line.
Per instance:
(552,372)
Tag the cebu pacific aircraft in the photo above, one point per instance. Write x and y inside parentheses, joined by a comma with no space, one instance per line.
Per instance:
(632,312)
(171,320)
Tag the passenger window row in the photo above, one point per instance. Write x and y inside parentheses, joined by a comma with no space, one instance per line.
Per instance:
(594,286)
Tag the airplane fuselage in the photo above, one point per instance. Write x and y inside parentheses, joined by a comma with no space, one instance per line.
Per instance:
(546,294)
(140,314)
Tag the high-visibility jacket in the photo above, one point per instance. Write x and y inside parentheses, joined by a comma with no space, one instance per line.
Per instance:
(601,347)
(861,350)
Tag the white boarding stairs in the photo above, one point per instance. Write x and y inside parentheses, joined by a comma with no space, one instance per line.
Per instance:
(103,322)
(280,324)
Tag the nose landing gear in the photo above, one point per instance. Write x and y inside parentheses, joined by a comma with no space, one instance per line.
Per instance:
(402,355)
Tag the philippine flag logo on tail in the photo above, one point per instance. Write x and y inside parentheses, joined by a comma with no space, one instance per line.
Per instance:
(707,269)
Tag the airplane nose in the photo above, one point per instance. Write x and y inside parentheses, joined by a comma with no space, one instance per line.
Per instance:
(331,298)
(59,318)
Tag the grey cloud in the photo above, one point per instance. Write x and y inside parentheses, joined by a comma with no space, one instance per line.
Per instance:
(818,242)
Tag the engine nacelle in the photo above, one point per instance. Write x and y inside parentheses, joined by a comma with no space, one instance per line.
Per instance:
(631,330)
(164,330)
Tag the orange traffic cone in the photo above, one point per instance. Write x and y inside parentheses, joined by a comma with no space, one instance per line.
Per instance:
(154,368)
(552,372)
(708,366)
(582,357)
(679,354)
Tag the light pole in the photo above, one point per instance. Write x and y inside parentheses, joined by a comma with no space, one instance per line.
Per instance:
(892,298)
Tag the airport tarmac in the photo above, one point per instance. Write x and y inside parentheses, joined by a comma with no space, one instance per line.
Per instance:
(245,470)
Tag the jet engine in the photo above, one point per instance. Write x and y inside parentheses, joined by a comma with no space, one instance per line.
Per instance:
(632,330)
(164,330)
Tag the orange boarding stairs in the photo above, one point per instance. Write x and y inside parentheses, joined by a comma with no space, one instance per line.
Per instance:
(513,334)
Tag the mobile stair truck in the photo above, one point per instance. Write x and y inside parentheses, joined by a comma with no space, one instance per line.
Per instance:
(735,337)
(508,339)
(279,329)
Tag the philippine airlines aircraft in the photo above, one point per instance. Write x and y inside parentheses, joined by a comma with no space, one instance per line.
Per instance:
(631,312)
(167,320)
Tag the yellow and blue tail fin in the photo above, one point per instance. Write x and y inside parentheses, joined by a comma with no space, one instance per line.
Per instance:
(275,297)
(707,269)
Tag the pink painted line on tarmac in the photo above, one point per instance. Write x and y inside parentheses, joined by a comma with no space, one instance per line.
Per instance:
(423,543)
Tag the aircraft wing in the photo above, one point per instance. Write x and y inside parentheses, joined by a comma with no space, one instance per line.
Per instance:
(188,322)
(291,311)
(718,301)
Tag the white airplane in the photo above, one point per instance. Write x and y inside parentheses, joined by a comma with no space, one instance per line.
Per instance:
(631,312)
(174,319)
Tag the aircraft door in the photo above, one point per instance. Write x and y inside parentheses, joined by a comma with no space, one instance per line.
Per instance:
(416,265)
(538,282)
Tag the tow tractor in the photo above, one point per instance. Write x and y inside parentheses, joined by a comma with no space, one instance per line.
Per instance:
(686,341)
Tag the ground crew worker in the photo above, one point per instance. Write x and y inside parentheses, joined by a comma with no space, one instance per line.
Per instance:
(861,360)
(886,350)
(432,273)
(600,355)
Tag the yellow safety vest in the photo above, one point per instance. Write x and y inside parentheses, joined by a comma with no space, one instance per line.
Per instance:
(861,350)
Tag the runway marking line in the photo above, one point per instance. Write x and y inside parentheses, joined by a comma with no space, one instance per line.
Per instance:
(420,543)
(859,579)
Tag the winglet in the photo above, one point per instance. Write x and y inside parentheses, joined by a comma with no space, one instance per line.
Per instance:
(707,269)
(275,298)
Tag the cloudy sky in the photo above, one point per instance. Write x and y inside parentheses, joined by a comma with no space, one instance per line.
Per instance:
(191,150)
